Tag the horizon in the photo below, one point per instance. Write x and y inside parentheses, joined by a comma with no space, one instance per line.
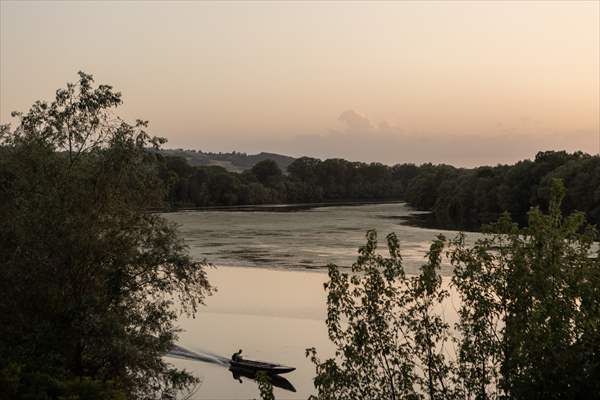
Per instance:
(250,154)
(460,83)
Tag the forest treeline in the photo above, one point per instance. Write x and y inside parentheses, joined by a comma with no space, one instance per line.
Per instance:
(462,198)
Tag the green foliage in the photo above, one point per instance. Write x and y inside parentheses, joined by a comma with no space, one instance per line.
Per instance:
(471,198)
(267,172)
(15,382)
(265,387)
(381,323)
(89,277)
(308,180)
(528,324)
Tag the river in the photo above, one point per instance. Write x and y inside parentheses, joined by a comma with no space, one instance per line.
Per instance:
(269,268)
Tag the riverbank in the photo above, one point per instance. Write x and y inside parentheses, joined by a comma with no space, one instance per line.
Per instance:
(283,207)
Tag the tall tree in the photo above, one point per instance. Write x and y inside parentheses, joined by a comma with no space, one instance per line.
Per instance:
(89,278)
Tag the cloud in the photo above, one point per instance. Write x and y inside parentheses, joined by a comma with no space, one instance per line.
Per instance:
(355,122)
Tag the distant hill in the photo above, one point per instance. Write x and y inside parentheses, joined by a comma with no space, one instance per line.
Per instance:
(234,161)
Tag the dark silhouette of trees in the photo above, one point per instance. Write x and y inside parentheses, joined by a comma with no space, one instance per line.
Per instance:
(304,169)
(89,278)
(267,172)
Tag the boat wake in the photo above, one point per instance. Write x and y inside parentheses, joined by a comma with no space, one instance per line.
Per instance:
(237,374)
(204,356)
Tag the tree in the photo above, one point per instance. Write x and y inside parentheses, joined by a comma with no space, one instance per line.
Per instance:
(528,317)
(266,171)
(89,278)
(372,360)
(304,168)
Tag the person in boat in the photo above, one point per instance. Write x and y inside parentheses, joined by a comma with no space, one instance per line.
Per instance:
(237,356)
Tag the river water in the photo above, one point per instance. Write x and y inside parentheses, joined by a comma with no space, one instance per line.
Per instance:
(269,268)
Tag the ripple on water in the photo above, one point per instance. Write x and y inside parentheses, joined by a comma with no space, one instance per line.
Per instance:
(314,237)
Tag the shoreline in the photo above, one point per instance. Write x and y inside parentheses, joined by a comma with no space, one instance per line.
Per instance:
(423,220)
(282,207)
(418,218)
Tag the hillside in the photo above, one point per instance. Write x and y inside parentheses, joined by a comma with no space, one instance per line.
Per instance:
(233,162)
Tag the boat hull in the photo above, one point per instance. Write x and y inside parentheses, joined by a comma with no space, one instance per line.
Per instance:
(258,366)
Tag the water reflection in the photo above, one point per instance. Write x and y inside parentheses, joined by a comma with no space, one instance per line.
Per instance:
(276,380)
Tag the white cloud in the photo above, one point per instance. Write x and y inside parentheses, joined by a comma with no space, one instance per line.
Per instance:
(355,122)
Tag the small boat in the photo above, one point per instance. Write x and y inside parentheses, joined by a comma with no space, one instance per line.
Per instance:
(257,366)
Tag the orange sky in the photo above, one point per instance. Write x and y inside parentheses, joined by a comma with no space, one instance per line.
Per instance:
(462,82)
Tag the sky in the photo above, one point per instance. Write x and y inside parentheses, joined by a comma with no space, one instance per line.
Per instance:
(466,83)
